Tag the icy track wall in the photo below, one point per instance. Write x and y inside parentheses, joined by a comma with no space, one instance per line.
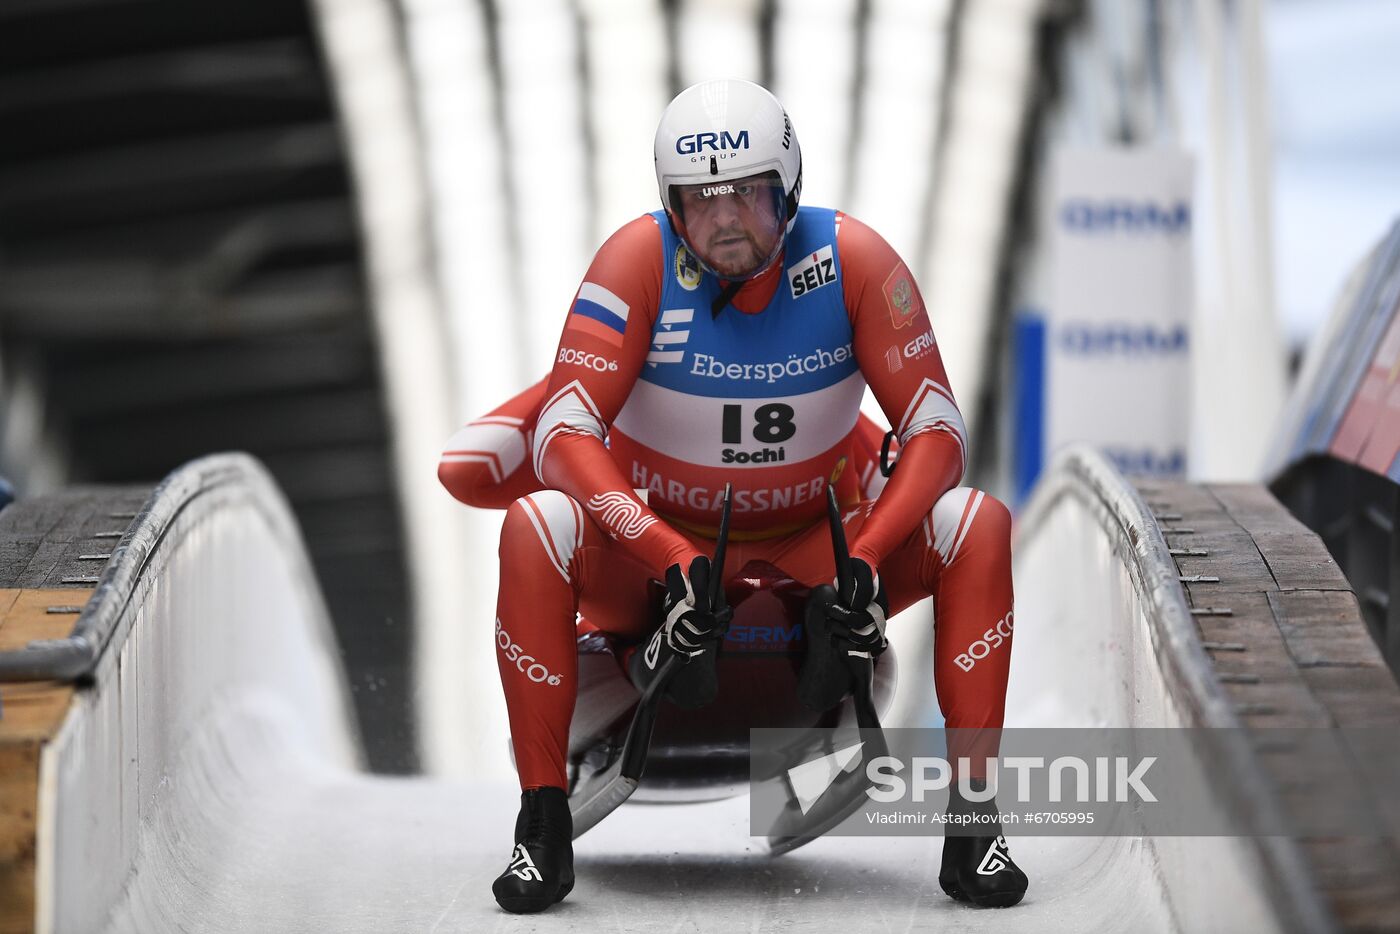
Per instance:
(1105,639)
(219,668)
(213,684)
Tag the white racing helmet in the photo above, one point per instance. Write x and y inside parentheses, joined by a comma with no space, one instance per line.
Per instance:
(716,134)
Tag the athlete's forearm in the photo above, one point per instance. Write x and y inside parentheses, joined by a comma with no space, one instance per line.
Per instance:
(930,464)
(899,357)
(580,465)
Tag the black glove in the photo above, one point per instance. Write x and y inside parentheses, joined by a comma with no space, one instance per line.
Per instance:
(849,619)
(691,629)
(859,613)
(691,624)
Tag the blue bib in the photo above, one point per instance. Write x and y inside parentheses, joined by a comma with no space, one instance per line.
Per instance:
(773,395)
(800,343)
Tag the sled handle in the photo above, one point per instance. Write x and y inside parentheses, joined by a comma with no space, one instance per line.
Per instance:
(717,566)
(838,545)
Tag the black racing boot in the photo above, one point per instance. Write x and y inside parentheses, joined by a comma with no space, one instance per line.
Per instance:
(541,870)
(977,864)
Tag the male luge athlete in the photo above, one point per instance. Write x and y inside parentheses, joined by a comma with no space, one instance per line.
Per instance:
(729,337)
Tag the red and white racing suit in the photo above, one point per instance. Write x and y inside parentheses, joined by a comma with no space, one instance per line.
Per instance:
(651,390)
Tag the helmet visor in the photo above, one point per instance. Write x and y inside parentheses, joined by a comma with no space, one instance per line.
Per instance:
(734,227)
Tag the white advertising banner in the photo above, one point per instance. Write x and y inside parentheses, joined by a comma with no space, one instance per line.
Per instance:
(1117,340)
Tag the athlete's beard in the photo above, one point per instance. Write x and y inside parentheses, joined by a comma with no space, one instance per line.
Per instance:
(739,266)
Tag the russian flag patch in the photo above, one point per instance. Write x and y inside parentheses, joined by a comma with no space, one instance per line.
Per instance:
(599,312)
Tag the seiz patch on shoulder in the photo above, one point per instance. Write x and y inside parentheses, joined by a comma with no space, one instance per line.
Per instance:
(899,295)
(812,272)
(687,269)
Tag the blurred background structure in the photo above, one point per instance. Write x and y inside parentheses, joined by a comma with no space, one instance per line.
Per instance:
(181,271)
(329,231)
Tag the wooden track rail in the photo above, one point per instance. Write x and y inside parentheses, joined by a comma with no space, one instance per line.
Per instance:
(30,714)
(52,551)
(1285,634)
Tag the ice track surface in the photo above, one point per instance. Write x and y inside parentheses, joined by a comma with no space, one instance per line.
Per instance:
(354,854)
(208,779)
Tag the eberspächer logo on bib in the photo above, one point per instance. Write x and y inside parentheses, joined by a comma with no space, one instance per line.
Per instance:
(713,368)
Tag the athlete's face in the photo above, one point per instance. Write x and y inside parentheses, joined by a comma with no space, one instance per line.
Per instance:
(735,225)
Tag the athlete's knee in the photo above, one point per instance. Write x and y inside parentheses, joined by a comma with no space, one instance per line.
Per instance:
(966,518)
(993,521)
(547,523)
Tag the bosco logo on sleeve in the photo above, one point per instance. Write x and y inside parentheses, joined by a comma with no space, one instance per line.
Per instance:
(588,361)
